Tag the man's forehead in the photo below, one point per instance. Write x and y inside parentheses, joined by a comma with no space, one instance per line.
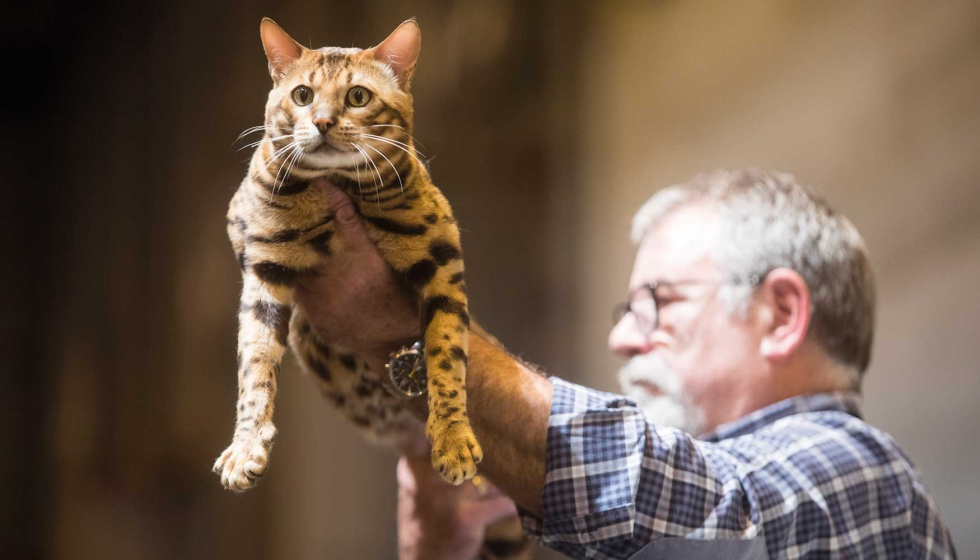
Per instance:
(678,247)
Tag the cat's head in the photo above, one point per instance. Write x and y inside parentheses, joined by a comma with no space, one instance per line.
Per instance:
(330,101)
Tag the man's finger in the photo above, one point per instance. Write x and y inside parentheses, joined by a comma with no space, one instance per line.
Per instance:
(349,224)
(405,476)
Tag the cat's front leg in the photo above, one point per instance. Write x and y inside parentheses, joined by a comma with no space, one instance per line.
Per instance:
(263,327)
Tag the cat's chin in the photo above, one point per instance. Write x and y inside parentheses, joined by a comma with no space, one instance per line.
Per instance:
(326,157)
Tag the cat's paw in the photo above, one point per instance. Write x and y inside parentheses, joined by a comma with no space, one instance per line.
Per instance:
(244,462)
(455,451)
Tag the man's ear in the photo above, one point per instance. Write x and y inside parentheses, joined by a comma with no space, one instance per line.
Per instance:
(280,48)
(401,51)
(786,298)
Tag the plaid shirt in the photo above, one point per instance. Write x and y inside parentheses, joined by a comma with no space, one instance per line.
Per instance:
(802,478)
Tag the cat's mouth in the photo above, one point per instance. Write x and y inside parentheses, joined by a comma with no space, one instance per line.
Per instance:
(324,148)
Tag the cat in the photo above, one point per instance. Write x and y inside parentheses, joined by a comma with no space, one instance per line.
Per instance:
(345,114)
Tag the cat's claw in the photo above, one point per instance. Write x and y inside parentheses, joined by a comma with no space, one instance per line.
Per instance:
(246,459)
(455,453)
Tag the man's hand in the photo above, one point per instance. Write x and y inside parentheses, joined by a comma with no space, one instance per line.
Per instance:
(437,520)
(353,300)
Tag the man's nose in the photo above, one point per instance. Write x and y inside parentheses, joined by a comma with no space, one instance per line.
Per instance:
(626,340)
(323,122)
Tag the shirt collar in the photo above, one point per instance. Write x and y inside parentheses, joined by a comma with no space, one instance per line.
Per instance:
(849,402)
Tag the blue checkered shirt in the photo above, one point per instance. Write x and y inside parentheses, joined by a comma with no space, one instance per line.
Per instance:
(805,475)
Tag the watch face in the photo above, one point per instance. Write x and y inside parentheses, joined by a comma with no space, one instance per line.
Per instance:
(407,372)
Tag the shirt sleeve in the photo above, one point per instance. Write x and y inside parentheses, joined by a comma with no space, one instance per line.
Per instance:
(805,478)
(614,483)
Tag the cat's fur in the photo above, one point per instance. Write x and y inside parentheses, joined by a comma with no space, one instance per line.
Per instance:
(281,229)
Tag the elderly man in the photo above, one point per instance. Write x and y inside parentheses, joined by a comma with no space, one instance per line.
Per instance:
(748,327)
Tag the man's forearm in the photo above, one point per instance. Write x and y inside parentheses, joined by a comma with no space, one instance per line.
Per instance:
(508,407)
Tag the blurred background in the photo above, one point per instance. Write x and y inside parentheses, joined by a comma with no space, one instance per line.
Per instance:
(547,125)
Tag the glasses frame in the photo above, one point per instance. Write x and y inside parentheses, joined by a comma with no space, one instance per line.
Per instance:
(624,308)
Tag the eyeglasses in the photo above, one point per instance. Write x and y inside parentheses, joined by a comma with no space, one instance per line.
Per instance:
(645,301)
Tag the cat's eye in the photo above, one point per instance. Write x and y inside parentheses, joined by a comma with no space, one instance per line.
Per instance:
(303,96)
(358,96)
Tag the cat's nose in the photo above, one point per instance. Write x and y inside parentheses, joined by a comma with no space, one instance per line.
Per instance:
(323,123)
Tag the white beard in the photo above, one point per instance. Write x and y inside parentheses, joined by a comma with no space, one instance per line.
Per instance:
(672,409)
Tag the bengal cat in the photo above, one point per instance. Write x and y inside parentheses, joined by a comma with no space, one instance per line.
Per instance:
(345,114)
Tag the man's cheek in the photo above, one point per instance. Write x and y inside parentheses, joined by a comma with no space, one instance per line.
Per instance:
(694,380)
(683,369)
(700,360)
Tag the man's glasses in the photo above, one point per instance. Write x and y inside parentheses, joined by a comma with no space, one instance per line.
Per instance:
(645,301)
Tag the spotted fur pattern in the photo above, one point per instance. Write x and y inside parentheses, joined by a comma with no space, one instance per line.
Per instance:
(345,114)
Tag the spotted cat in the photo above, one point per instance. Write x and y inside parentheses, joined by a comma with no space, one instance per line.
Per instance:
(345,114)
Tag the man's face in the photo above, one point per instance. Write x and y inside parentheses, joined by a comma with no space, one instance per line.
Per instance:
(693,366)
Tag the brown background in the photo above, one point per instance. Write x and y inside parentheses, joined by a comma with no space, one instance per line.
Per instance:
(548,124)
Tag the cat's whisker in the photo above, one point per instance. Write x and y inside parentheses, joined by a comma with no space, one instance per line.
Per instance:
(398,142)
(280,152)
(357,169)
(366,159)
(400,184)
(293,157)
(379,183)
(286,165)
(392,140)
(272,139)
(297,154)
(268,129)
(275,156)
(246,132)
(294,149)
(275,181)
(402,128)
(394,143)
(377,190)
(249,130)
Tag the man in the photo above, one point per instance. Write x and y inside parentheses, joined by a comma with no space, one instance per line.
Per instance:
(748,324)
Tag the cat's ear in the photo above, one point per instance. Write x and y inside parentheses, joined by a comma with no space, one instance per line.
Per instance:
(280,48)
(401,51)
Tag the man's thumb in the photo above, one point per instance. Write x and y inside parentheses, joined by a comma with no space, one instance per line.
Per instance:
(348,223)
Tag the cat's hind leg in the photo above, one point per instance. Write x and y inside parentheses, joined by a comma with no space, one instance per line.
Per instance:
(455,450)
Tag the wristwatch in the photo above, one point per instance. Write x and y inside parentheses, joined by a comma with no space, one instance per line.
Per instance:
(406,369)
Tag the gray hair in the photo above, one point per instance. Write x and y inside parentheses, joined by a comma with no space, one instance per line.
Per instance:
(768,221)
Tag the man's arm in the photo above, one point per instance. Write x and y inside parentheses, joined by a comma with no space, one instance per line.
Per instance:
(356,303)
